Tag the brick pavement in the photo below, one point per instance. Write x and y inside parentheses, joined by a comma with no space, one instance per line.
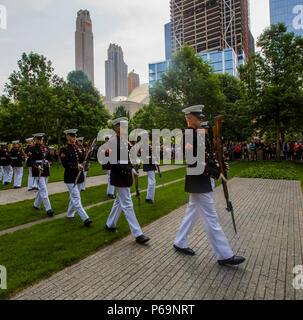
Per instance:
(269,216)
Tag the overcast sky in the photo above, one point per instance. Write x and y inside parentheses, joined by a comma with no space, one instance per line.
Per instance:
(48,27)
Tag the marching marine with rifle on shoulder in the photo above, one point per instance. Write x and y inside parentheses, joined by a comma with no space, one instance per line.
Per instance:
(41,161)
(110,189)
(31,182)
(83,148)
(201,190)
(121,177)
(74,161)
(150,166)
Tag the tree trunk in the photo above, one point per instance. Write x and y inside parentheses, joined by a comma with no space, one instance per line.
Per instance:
(278,125)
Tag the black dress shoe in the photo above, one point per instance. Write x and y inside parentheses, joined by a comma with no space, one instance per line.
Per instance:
(111,196)
(50,213)
(187,251)
(149,201)
(36,208)
(233,261)
(17,187)
(30,189)
(87,222)
(6,183)
(110,229)
(142,239)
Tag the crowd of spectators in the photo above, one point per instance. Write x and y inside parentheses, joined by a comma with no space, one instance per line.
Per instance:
(260,151)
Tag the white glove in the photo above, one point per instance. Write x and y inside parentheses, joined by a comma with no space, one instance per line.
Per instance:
(135,173)
(80,167)
(222,178)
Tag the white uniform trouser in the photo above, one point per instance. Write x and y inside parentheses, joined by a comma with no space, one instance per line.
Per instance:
(1,173)
(18,176)
(110,188)
(6,174)
(10,175)
(124,202)
(201,205)
(151,185)
(83,184)
(75,204)
(31,182)
(42,194)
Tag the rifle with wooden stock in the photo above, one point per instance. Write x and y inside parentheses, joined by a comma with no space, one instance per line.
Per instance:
(217,132)
(85,162)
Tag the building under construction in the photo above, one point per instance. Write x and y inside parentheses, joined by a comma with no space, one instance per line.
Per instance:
(209,25)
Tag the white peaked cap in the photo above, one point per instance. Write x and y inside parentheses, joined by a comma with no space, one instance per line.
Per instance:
(196,110)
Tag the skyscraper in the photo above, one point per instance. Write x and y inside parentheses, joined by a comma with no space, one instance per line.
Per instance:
(133,81)
(289,12)
(167,41)
(208,25)
(84,44)
(116,79)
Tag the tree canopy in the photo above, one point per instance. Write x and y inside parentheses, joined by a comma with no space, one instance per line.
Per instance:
(273,83)
(37,100)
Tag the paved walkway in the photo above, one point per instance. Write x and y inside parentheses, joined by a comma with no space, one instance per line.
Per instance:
(269,216)
(15,195)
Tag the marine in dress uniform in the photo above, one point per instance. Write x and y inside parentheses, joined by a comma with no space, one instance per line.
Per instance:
(201,203)
(41,160)
(122,178)
(81,146)
(17,157)
(72,158)
(31,182)
(110,188)
(5,162)
(150,168)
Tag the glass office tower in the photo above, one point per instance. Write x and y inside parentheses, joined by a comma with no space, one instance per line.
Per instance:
(156,70)
(290,12)
(222,61)
(168,41)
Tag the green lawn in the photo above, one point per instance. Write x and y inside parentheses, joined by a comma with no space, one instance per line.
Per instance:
(57,174)
(15,214)
(288,170)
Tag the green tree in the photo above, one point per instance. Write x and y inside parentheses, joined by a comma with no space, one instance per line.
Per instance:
(121,112)
(38,100)
(238,118)
(273,81)
(29,98)
(145,118)
(189,81)
(88,113)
